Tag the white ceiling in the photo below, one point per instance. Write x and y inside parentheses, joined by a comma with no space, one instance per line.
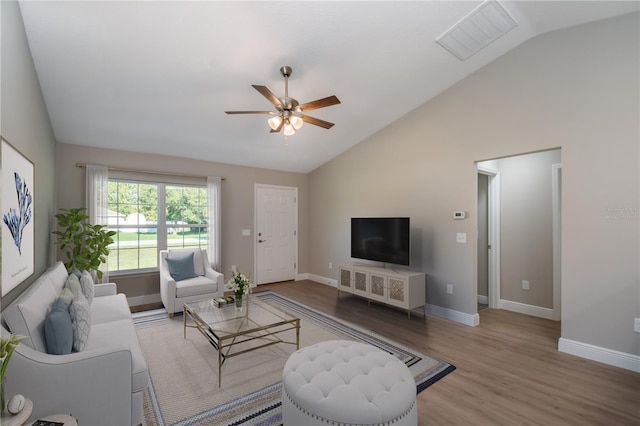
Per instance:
(157,76)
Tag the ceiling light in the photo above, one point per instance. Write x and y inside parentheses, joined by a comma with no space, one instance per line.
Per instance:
(296,122)
(288,129)
(274,122)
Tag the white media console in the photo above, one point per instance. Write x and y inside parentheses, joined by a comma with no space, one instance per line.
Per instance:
(404,289)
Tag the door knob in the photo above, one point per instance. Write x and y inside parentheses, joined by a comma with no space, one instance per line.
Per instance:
(262,241)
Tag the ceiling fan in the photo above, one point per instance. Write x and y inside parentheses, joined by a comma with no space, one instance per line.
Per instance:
(290,114)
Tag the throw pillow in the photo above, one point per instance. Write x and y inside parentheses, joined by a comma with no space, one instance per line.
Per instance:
(66,296)
(77,273)
(81,321)
(87,284)
(58,331)
(73,284)
(181,268)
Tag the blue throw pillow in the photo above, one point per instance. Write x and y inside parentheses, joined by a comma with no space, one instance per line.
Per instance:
(58,331)
(181,268)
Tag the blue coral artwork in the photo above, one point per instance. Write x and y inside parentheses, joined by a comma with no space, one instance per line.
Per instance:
(17,209)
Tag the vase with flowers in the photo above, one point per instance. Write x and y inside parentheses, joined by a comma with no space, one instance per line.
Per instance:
(8,344)
(240,285)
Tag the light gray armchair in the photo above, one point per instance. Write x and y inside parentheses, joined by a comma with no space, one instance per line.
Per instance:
(201,282)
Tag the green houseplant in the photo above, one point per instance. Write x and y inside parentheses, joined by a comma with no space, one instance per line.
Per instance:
(84,244)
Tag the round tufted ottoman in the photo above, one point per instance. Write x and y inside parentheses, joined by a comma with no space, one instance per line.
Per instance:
(340,382)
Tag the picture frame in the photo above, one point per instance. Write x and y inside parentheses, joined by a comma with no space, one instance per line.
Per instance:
(17,209)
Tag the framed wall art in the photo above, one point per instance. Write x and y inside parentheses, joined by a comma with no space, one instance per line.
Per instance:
(17,211)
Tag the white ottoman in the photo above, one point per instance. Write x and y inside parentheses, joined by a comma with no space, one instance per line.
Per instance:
(340,382)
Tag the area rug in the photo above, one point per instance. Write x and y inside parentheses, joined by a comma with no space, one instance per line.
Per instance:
(184,372)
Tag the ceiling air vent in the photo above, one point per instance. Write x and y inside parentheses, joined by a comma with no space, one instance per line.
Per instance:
(478,29)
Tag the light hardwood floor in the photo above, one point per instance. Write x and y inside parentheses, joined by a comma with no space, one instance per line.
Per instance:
(508,370)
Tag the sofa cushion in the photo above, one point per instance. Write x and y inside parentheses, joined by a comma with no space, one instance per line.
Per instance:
(58,330)
(195,286)
(27,314)
(181,268)
(122,334)
(109,308)
(80,320)
(58,276)
(198,262)
(87,285)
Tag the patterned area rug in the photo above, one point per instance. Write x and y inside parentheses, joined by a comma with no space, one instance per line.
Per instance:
(184,372)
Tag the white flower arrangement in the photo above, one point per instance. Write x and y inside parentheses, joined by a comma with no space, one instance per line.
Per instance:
(239,284)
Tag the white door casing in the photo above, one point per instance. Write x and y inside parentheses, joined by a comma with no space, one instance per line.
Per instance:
(275,236)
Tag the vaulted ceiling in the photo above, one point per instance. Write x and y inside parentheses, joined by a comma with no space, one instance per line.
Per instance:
(157,76)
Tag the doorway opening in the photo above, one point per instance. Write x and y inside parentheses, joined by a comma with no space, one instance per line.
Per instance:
(519,234)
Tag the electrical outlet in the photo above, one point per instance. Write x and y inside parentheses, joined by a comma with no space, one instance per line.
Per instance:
(636,325)
(449,289)
(330,265)
(525,285)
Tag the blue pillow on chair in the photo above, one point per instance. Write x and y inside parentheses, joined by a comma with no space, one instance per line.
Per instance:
(181,268)
(58,330)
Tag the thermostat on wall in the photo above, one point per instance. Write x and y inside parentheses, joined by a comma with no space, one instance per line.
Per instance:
(459,215)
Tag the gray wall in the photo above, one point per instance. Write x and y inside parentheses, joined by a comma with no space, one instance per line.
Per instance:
(25,124)
(526,228)
(575,89)
(237,201)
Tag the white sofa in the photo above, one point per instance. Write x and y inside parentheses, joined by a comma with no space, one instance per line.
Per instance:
(206,284)
(103,384)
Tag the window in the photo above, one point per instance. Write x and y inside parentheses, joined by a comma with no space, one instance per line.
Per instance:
(152,216)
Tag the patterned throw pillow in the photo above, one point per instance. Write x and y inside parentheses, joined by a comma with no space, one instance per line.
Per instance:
(87,284)
(81,321)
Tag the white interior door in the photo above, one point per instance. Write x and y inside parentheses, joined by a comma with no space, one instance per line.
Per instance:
(276,233)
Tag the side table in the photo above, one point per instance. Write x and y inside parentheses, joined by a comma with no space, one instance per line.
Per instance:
(8,419)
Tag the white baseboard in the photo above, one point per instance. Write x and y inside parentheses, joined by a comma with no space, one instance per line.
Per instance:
(144,300)
(300,277)
(323,280)
(599,354)
(450,314)
(521,308)
(484,300)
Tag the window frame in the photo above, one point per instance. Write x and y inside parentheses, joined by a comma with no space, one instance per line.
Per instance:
(161,225)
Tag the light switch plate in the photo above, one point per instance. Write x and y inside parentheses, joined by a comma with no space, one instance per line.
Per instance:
(461,237)
(246,232)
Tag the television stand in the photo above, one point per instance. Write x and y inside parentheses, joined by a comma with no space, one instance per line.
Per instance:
(404,289)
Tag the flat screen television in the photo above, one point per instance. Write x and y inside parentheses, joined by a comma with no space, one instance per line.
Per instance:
(381,239)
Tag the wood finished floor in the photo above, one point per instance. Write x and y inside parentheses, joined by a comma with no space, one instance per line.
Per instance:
(508,370)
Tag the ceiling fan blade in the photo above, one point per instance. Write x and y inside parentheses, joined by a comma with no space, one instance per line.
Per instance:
(249,112)
(269,95)
(316,121)
(277,129)
(320,103)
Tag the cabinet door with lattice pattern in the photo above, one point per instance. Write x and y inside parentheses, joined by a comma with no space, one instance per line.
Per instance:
(361,282)
(345,280)
(378,287)
(398,289)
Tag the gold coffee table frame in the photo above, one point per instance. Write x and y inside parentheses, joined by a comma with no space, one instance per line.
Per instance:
(227,326)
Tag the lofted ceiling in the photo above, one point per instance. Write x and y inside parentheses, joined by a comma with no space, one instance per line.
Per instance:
(157,76)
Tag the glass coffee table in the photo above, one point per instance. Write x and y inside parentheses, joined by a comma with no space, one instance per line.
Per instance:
(234,331)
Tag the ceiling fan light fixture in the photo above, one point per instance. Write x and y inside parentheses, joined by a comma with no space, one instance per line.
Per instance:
(296,122)
(288,129)
(274,122)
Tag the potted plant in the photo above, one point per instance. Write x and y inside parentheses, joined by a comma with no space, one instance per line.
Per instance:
(84,244)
